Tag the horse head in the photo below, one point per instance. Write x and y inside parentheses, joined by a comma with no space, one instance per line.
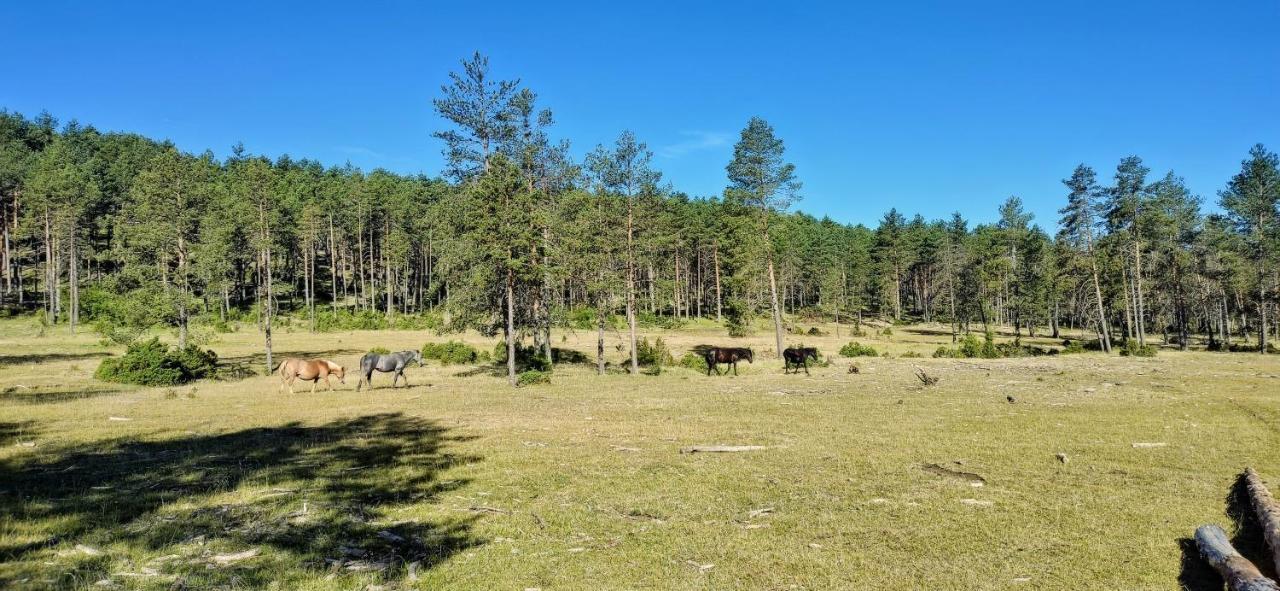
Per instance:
(341,372)
(751,357)
(417,356)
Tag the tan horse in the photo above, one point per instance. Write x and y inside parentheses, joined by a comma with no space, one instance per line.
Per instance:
(312,370)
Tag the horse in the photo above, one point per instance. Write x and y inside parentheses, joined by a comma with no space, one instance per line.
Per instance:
(799,357)
(731,355)
(313,370)
(387,362)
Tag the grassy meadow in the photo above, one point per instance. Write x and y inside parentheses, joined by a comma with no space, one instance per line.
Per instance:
(1091,479)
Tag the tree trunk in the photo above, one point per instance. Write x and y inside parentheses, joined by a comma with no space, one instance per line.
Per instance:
(1236,570)
(386,268)
(715,253)
(1140,306)
(773,300)
(1103,329)
(600,317)
(73,279)
(631,290)
(268,288)
(511,328)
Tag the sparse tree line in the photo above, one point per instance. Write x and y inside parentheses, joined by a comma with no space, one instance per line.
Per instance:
(518,238)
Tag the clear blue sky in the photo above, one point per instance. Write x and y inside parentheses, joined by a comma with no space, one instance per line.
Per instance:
(929,107)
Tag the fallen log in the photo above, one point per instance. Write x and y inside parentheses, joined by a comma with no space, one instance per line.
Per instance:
(1239,573)
(1264,505)
(719,448)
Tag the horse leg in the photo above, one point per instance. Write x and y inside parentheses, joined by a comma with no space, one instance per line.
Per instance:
(806,367)
(405,378)
(327,383)
(313,385)
(735,368)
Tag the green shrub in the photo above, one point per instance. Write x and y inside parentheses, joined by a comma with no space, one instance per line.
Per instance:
(569,356)
(533,376)
(1069,346)
(944,351)
(581,318)
(152,363)
(649,320)
(655,354)
(815,332)
(888,332)
(527,357)
(694,361)
(853,349)
(911,355)
(450,353)
(344,319)
(1131,348)
(379,350)
(652,370)
(736,320)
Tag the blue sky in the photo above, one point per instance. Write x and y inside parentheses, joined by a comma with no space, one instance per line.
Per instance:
(929,107)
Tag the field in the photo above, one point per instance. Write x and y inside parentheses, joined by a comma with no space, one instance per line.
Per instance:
(461,482)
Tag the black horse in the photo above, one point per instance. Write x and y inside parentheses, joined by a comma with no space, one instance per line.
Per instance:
(798,357)
(387,362)
(731,355)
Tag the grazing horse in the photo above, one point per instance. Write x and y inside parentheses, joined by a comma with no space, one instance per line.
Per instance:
(387,363)
(731,355)
(799,357)
(312,370)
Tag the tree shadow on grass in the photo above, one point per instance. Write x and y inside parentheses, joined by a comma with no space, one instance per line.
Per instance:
(38,395)
(309,499)
(35,358)
(16,431)
(1247,538)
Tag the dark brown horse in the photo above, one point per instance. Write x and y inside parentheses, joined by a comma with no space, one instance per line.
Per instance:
(731,355)
(312,370)
(798,357)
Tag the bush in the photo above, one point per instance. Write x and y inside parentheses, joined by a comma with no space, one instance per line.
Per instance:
(450,353)
(888,332)
(970,348)
(1131,348)
(1069,347)
(853,349)
(911,355)
(569,356)
(694,361)
(649,320)
(330,321)
(815,332)
(532,377)
(736,320)
(527,357)
(655,354)
(379,350)
(152,363)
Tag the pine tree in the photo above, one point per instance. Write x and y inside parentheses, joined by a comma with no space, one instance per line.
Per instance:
(760,179)
(1251,199)
(1078,229)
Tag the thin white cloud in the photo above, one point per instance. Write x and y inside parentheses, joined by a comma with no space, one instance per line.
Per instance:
(696,141)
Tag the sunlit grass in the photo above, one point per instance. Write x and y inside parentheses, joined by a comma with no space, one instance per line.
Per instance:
(463,482)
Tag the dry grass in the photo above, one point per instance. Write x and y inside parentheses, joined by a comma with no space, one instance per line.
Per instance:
(461,482)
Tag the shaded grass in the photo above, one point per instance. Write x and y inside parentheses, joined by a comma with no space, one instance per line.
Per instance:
(332,488)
